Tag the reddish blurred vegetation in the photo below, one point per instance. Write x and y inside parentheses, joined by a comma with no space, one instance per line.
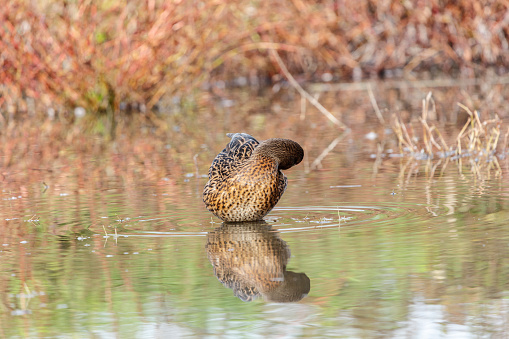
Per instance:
(101,54)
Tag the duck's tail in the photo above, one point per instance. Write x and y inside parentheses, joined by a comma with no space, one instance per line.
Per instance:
(240,141)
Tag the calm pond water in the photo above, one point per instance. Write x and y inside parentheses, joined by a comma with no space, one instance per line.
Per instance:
(355,248)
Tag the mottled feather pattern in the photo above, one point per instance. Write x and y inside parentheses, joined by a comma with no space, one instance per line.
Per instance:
(245,181)
(238,149)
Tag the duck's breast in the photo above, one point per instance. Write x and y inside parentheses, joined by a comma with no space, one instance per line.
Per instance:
(257,185)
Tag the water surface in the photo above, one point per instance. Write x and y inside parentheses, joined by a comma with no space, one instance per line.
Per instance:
(355,248)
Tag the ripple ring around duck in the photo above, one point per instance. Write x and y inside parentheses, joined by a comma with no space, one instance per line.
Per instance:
(245,179)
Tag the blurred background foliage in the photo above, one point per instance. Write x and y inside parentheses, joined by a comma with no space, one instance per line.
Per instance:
(108,57)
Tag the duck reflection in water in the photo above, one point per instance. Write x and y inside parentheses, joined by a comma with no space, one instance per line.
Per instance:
(251,258)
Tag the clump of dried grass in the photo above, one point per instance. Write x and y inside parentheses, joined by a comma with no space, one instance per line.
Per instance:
(478,141)
(98,54)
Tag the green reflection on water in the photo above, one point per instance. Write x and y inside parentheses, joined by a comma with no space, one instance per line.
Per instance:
(364,278)
(435,252)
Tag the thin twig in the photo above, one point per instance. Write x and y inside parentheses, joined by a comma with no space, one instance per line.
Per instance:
(399,133)
(305,94)
(105,237)
(444,144)
(407,136)
(375,105)
(326,151)
(460,136)
(378,161)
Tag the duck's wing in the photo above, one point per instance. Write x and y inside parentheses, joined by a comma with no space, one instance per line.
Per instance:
(240,148)
(281,184)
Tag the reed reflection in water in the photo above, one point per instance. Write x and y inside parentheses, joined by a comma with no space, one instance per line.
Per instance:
(251,259)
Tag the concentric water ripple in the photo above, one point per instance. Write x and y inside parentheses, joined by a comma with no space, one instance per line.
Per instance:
(289,219)
(311,218)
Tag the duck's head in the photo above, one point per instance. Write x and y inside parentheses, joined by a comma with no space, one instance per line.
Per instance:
(286,152)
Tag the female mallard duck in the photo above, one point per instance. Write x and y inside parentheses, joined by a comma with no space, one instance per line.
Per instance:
(245,179)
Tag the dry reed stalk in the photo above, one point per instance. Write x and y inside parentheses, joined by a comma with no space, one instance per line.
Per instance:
(428,131)
(402,135)
(477,141)
(407,136)
(442,171)
(305,94)
(378,160)
(460,136)
(318,161)
(434,168)
(375,105)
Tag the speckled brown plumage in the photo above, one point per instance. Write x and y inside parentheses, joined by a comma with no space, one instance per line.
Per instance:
(245,179)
